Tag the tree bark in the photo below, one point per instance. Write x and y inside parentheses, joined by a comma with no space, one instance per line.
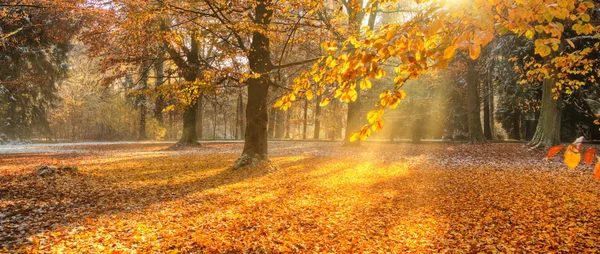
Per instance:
(255,141)
(259,60)
(473,106)
(189,125)
(280,123)
(547,133)
(317,131)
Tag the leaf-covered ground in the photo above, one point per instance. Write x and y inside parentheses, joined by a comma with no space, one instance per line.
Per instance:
(313,197)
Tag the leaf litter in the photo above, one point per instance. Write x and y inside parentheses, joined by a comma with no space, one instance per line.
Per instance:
(313,197)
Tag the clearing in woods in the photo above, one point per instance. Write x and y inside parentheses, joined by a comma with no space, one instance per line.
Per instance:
(314,196)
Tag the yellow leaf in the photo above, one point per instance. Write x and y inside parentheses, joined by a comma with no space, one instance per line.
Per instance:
(365,84)
(572,157)
(529,34)
(309,95)
(324,102)
(542,50)
(449,52)
(278,104)
(474,51)
(373,116)
(377,126)
(354,137)
(585,17)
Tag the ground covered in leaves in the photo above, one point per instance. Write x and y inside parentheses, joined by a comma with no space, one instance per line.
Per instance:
(313,197)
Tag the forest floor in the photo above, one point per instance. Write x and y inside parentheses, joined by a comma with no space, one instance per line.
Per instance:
(313,197)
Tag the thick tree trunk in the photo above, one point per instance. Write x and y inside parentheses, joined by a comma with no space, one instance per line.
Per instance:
(547,133)
(189,125)
(473,106)
(259,60)
(317,131)
(255,141)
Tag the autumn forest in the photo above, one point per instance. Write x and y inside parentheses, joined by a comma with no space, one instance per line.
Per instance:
(299,126)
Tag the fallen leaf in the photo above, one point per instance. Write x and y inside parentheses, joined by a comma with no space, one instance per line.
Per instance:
(554,150)
(572,157)
(589,155)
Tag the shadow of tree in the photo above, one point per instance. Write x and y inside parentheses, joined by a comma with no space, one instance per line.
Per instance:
(31,205)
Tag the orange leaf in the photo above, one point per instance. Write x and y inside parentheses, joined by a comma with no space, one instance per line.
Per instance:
(597,172)
(572,157)
(589,155)
(554,150)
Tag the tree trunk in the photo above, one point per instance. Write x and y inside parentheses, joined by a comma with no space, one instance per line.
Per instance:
(271,127)
(280,123)
(142,127)
(259,60)
(142,106)
(288,115)
(473,106)
(255,141)
(491,93)
(317,131)
(224,124)
(516,130)
(487,128)
(547,133)
(214,120)
(189,125)
(159,103)
(240,119)
(305,122)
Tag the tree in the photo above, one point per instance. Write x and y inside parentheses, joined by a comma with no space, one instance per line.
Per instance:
(432,37)
(473,106)
(34,43)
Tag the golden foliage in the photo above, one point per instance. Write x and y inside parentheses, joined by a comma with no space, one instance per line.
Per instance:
(388,198)
(572,156)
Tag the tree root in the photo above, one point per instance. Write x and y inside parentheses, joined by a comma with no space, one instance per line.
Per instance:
(183,146)
(248,160)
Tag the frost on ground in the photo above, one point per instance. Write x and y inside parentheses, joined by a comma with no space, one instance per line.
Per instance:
(313,197)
